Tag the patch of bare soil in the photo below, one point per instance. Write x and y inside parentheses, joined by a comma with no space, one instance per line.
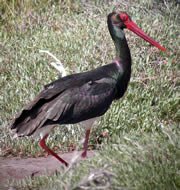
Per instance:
(15,168)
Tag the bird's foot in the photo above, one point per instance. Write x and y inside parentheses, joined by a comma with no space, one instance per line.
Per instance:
(83,155)
(66,164)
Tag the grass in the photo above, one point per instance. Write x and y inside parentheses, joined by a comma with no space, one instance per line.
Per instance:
(142,149)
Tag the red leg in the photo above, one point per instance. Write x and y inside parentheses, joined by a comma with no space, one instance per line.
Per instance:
(86,143)
(43,145)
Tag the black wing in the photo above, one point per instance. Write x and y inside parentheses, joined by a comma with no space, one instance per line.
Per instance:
(78,104)
(69,100)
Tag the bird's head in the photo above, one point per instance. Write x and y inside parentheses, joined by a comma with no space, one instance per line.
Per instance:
(117,21)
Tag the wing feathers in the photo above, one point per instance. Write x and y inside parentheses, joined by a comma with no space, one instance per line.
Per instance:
(70,99)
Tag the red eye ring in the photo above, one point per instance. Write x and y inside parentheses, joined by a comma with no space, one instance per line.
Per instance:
(124,17)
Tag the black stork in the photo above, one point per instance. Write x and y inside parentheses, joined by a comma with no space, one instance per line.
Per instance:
(82,97)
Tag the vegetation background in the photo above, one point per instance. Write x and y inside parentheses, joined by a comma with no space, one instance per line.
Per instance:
(141,148)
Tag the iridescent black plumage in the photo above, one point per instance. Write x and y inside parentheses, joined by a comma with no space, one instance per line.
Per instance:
(83,96)
(72,99)
(78,97)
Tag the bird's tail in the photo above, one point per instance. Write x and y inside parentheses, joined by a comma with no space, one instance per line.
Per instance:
(28,122)
(31,118)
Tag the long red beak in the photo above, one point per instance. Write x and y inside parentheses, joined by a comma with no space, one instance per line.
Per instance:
(134,28)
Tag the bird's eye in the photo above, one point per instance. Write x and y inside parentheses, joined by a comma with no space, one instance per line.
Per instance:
(123,17)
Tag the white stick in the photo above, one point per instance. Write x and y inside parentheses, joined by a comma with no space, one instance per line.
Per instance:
(57,65)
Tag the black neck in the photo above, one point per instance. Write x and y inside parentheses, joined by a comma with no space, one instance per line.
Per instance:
(122,50)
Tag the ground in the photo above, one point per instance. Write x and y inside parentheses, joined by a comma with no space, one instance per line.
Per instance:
(16,168)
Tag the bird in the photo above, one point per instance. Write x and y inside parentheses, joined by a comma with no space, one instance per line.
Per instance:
(82,97)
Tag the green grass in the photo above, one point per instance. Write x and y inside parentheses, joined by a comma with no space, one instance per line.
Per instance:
(142,149)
